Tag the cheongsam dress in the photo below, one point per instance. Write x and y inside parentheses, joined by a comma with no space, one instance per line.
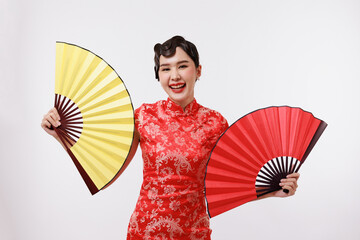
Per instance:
(175,148)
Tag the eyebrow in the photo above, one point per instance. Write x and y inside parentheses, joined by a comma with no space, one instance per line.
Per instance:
(180,62)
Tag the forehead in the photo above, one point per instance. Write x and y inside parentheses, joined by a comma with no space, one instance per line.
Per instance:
(180,55)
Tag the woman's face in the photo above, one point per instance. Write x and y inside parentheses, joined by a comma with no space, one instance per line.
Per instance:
(177,75)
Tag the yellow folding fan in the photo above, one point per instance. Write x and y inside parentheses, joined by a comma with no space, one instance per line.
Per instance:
(97,116)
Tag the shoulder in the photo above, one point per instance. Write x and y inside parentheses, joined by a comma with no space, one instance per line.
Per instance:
(214,117)
(211,113)
(148,110)
(149,107)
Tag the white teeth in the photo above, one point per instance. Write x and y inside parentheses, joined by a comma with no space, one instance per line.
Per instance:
(177,86)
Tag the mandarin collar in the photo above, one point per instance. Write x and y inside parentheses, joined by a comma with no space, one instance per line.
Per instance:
(174,109)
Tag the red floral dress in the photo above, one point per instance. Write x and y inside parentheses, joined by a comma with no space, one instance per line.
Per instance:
(175,148)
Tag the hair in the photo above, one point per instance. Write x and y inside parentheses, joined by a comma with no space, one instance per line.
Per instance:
(168,48)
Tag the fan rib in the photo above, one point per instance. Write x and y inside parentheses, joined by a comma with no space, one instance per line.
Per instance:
(68,101)
(74,133)
(262,189)
(266,192)
(62,106)
(277,165)
(76,114)
(69,108)
(265,173)
(74,122)
(262,181)
(71,111)
(282,164)
(62,102)
(269,170)
(71,133)
(274,170)
(63,134)
(73,129)
(90,184)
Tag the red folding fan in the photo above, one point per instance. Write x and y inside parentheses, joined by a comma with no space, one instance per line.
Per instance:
(256,152)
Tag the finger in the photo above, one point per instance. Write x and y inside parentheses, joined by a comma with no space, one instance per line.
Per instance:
(293,175)
(292,184)
(285,180)
(46,126)
(49,131)
(293,179)
(54,116)
(290,189)
(54,110)
(53,119)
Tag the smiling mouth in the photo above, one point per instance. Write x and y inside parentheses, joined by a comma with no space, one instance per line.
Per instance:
(178,86)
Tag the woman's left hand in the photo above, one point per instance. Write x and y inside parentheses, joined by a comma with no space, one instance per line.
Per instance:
(289,183)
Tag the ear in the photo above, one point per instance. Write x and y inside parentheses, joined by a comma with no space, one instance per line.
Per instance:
(198,71)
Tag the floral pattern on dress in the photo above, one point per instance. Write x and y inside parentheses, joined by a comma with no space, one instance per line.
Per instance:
(175,146)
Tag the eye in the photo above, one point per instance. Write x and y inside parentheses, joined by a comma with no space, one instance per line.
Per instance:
(183,66)
(165,69)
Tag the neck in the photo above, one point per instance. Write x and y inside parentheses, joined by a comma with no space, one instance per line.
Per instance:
(183,104)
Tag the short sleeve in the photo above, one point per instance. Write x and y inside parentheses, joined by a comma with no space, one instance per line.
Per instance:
(222,124)
(139,118)
(219,125)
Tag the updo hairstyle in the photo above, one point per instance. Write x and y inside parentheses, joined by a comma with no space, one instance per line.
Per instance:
(168,48)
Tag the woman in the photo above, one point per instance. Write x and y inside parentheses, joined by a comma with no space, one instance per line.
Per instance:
(176,136)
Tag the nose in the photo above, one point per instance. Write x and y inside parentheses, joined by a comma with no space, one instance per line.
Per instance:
(175,75)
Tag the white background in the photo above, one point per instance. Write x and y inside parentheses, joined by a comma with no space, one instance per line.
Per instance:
(254,54)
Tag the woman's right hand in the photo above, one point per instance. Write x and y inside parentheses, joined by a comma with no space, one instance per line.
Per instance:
(50,121)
